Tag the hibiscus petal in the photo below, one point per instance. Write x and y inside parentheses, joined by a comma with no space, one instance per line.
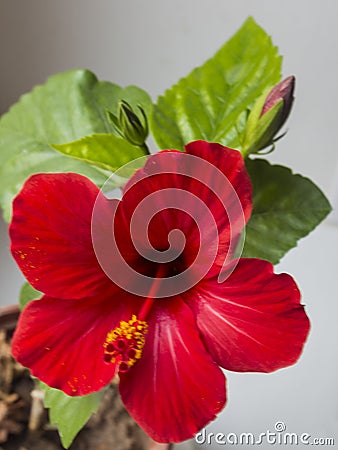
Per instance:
(233,207)
(205,193)
(61,341)
(231,163)
(216,168)
(254,320)
(175,389)
(51,235)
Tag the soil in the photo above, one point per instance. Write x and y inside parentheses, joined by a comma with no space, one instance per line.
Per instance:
(22,428)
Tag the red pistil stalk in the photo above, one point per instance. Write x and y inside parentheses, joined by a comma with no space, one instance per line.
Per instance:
(143,314)
(124,344)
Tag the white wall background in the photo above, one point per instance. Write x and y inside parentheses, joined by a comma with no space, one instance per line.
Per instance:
(152,43)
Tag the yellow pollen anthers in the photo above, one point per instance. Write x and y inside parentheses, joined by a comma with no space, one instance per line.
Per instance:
(124,344)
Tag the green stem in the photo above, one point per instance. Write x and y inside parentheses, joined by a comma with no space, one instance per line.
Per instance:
(145,147)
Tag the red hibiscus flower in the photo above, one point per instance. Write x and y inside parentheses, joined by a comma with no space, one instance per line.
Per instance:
(149,287)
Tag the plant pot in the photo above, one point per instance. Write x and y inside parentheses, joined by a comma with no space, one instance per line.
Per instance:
(110,428)
(9,316)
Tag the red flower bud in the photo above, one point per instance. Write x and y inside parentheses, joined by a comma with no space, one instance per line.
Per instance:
(268,116)
(282,91)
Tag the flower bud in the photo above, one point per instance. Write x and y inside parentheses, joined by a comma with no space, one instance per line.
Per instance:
(129,125)
(268,116)
(282,91)
(133,127)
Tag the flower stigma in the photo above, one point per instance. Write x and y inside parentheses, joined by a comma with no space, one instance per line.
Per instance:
(124,344)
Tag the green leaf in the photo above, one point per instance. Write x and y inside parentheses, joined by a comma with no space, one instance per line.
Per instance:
(102,150)
(67,107)
(70,414)
(27,294)
(286,208)
(213,102)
